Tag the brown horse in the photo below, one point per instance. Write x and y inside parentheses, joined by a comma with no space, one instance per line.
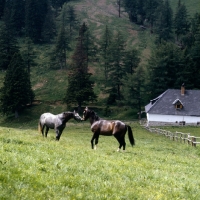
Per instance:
(114,128)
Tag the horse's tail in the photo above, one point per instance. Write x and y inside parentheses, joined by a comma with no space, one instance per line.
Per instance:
(39,127)
(130,135)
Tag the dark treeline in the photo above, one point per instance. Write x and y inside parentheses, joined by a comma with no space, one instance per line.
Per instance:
(30,17)
(159,18)
(173,61)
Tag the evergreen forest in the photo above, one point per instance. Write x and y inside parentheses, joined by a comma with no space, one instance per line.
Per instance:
(114,53)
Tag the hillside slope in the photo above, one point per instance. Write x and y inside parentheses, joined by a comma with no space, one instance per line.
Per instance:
(50,85)
(97,14)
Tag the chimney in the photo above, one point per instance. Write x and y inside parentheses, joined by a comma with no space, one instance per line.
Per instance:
(183,89)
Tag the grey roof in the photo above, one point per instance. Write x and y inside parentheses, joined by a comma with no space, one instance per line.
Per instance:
(163,104)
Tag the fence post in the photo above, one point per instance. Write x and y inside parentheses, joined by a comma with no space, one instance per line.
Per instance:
(181,137)
(193,141)
(188,139)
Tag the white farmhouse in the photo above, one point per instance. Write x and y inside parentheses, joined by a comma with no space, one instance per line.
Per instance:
(174,107)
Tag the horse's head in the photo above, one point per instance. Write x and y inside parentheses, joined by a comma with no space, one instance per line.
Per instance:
(88,114)
(76,116)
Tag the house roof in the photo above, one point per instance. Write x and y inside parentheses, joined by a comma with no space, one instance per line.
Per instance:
(164,104)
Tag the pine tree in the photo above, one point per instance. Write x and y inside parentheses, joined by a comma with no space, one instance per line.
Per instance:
(58,3)
(72,21)
(80,87)
(132,61)
(28,54)
(49,26)
(119,2)
(186,73)
(181,23)
(195,56)
(130,7)
(104,49)
(58,58)
(2,4)
(59,53)
(150,8)
(89,45)
(8,45)
(164,22)
(116,68)
(18,16)
(16,91)
(35,13)
(134,89)
(7,13)
(140,11)
(133,81)
(163,67)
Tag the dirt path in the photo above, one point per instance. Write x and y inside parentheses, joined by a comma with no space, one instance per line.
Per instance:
(97,13)
(98,9)
(93,8)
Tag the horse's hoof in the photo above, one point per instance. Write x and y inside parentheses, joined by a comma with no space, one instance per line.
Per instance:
(118,150)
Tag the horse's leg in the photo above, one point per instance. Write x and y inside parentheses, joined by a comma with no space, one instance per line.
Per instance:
(42,129)
(120,143)
(96,141)
(47,130)
(119,140)
(93,137)
(58,134)
(123,142)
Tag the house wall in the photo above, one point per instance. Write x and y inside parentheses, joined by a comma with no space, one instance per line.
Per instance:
(155,119)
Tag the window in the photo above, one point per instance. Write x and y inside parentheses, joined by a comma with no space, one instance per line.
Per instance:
(179,106)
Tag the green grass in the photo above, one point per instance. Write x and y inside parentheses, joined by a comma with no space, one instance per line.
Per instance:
(33,167)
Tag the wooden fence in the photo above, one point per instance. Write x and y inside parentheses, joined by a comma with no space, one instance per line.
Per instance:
(177,136)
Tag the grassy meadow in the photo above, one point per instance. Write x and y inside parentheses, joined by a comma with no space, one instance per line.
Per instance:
(33,167)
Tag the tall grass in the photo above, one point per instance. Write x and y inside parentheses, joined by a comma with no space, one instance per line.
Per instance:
(33,167)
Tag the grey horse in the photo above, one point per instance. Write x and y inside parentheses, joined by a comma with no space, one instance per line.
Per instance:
(56,122)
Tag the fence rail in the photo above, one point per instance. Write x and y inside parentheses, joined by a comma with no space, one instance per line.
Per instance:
(177,136)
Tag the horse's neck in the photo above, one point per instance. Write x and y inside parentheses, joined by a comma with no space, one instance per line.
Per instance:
(94,119)
(69,116)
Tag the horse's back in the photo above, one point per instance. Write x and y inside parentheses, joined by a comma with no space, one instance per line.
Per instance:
(48,119)
(48,114)
(113,127)
(104,127)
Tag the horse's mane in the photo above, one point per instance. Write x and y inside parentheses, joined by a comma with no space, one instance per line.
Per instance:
(67,113)
(95,117)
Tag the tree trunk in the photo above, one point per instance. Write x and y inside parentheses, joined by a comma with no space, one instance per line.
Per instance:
(79,107)
(119,3)
(16,114)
